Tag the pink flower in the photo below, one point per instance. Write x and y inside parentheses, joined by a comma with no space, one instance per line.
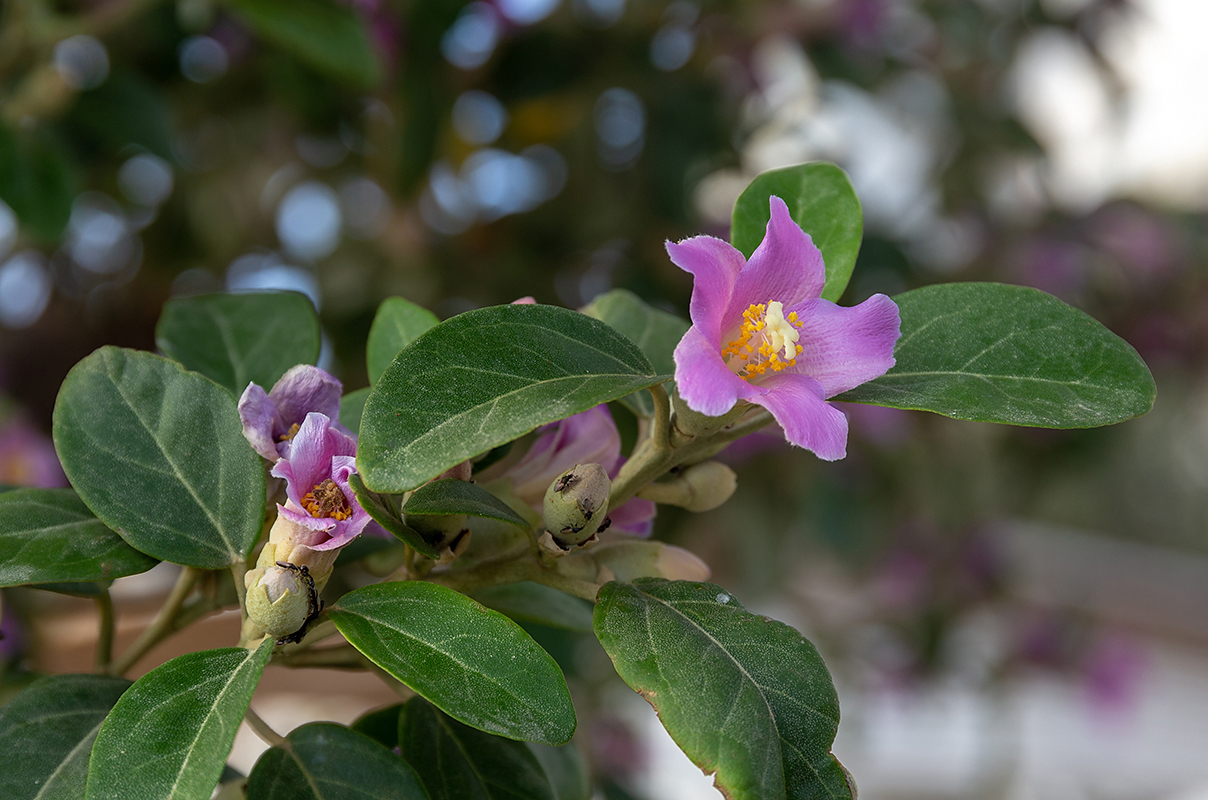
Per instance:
(272,419)
(589,437)
(316,473)
(762,333)
(27,457)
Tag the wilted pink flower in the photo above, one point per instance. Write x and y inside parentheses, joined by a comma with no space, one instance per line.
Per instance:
(272,419)
(316,475)
(589,437)
(762,333)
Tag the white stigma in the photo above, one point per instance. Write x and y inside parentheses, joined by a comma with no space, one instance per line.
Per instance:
(779,332)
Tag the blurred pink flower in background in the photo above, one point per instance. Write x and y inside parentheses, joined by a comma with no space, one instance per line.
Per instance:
(27,457)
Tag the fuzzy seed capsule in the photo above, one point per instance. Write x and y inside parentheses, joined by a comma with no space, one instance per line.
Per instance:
(576,504)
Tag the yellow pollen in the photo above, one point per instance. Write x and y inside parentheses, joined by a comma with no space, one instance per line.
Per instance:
(766,340)
(289,435)
(326,500)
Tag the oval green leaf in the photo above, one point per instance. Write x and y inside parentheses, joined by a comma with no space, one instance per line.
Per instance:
(451,496)
(50,536)
(325,761)
(352,406)
(487,377)
(383,508)
(473,663)
(381,725)
(822,201)
(170,734)
(327,36)
(237,339)
(37,180)
(457,762)
(46,735)
(996,353)
(398,323)
(655,331)
(158,454)
(744,696)
(533,602)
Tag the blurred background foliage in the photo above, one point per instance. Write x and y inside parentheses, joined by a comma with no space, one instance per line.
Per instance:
(463,155)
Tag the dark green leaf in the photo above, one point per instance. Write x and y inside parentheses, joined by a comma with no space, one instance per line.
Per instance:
(996,353)
(451,496)
(37,180)
(821,201)
(158,454)
(328,36)
(50,536)
(456,762)
(170,734)
(744,696)
(352,406)
(655,331)
(381,724)
(564,769)
(398,323)
(475,664)
(384,511)
(533,602)
(325,761)
(236,339)
(487,377)
(46,735)
(126,109)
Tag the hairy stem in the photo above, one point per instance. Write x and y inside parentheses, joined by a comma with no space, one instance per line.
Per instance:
(163,624)
(262,729)
(104,642)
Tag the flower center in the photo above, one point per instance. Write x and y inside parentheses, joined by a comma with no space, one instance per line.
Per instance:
(326,500)
(289,435)
(766,340)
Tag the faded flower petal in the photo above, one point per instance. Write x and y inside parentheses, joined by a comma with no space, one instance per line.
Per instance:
(271,419)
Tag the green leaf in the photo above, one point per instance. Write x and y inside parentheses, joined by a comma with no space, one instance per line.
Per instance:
(237,339)
(127,109)
(352,406)
(996,353)
(37,180)
(821,201)
(398,323)
(533,602)
(484,378)
(473,663)
(327,36)
(564,769)
(158,454)
(381,725)
(383,509)
(50,536)
(451,496)
(170,733)
(46,735)
(655,331)
(744,696)
(457,762)
(325,761)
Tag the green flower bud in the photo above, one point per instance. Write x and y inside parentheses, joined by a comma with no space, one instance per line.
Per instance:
(280,599)
(700,487)
(576,504)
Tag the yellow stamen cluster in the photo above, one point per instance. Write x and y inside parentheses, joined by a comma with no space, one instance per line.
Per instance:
(289,435)
(326,500)
(767,340)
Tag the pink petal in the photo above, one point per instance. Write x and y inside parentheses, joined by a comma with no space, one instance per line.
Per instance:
(715,266)
(703,380)
(786,267)
(261,422)
(310,456)
(808,420)
(321,527)
(845,347)
(304,389)
(635,517)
